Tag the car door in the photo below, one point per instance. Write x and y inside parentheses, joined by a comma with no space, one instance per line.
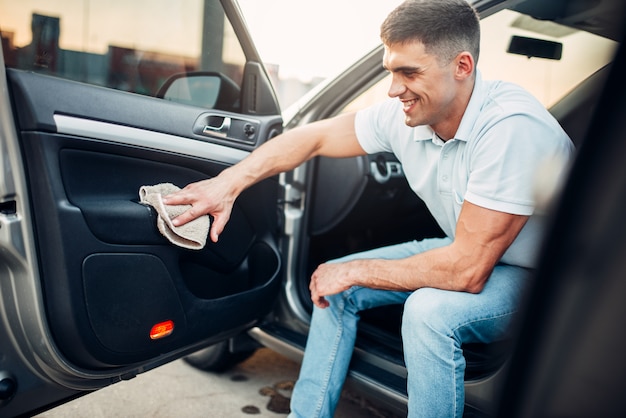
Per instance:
(96,101)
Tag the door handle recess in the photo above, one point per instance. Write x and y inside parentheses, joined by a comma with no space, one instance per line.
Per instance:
(217,126)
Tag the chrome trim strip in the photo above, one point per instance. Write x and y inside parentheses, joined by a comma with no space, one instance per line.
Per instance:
(147,139)
(276,344)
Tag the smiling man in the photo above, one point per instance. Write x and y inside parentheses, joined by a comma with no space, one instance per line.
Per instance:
(470,149)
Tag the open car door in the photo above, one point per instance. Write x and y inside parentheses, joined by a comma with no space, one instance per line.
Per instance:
(90,291)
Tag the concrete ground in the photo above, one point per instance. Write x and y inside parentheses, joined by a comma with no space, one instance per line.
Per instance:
(259,387)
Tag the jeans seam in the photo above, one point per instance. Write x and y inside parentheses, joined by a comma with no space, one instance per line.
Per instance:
(333,356)
(454,333)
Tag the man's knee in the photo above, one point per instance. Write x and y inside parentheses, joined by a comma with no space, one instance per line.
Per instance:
(426,310)
(339,303)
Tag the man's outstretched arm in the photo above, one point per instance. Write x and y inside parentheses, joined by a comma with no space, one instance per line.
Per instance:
(332,138)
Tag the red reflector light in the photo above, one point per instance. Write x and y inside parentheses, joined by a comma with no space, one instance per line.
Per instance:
(162,330)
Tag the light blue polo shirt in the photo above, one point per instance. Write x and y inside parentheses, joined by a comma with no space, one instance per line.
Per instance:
(493,160)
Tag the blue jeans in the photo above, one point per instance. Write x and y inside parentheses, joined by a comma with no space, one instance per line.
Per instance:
(434,325)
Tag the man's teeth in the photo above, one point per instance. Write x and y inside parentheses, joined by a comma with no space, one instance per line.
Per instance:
(409,103)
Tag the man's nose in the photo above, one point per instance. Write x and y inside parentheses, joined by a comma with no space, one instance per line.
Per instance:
(396,88)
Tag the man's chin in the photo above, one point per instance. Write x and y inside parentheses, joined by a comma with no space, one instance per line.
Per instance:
(411,122)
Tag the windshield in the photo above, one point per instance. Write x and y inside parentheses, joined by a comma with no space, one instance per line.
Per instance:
(548,80)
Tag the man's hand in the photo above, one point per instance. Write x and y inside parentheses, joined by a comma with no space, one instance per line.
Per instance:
(211,196)
(331,278)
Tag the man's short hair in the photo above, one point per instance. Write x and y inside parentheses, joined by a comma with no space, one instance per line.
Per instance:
(444,27)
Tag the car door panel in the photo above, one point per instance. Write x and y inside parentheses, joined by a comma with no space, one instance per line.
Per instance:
(93,104)
(107,275)
(91,293)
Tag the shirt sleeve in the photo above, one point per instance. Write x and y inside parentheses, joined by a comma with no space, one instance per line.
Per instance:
(373,124)
(505,160)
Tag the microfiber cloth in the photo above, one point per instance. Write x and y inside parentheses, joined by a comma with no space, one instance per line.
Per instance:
(192,235)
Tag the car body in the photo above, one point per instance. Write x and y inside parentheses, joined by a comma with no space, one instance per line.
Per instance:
(87,282)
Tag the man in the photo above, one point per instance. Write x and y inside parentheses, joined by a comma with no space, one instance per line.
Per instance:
(470,149)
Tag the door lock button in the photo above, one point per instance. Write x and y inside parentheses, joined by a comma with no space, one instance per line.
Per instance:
(249,130)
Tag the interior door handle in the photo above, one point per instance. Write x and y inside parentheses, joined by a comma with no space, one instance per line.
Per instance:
(217,126)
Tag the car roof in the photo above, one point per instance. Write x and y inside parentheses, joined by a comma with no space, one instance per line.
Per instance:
(601,17)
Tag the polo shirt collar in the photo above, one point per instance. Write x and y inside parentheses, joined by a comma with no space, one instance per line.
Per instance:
(472,112)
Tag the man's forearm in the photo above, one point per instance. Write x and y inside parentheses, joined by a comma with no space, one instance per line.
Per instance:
(333,138)
(216,196)
(280,154)
(482,237)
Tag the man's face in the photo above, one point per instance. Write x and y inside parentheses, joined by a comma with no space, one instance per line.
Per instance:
(426,88)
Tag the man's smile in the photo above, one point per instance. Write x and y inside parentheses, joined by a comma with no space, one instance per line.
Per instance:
(408,104)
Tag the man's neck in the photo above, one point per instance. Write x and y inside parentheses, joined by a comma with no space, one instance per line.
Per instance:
(449,126)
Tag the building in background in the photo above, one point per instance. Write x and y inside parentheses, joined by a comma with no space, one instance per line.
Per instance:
(123,68)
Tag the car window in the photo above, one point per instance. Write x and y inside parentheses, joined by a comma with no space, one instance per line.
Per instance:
(548,80)
(133,46)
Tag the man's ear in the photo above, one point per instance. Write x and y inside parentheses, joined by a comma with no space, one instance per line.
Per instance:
(464,65)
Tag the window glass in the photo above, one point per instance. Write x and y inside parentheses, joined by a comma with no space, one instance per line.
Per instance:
(548,80)
(133,46)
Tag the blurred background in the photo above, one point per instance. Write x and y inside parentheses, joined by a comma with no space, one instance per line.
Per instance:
(135,46)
